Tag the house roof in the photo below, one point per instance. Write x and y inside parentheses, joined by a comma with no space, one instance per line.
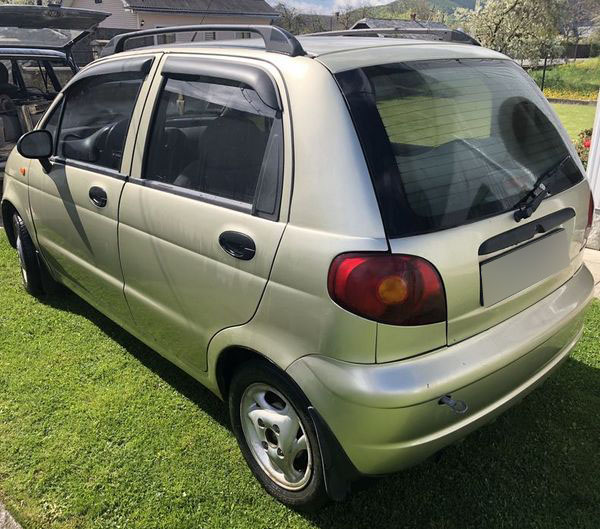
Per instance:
(393,23)
(213,7)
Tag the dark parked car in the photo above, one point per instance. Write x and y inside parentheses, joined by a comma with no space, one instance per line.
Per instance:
(35,61)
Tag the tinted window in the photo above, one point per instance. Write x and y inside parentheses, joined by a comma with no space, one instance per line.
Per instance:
(217,138)
(96,118)
(450,142)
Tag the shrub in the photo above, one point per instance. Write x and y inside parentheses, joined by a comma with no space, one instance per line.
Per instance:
(562,93)
(583,144)
(576,80)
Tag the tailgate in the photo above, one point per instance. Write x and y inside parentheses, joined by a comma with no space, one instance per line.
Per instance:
(483,290)
(455,147)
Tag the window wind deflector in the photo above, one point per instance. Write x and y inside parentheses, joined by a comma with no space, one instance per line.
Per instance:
(136,66)
(259,80)
(529,204)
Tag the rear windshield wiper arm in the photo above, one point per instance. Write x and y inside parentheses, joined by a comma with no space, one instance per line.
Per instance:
(530,202)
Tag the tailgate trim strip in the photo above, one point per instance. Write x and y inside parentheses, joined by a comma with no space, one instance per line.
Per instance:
(526,232)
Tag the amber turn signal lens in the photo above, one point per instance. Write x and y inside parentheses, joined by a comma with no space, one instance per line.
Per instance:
(392,290)
(22,170)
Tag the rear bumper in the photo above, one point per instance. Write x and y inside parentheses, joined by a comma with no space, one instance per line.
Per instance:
(387,417)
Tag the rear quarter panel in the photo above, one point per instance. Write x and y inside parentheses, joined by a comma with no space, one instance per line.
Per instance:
(333,210)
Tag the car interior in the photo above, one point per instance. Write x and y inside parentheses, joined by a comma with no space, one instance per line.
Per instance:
(207,147)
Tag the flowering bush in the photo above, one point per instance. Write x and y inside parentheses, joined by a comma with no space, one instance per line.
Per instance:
(583,144)
(564,93)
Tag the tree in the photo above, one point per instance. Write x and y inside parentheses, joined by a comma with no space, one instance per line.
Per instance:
(315,23)
(523,29)
(289,18)
(574,15)
(423,10)
(364,10)
(347,16)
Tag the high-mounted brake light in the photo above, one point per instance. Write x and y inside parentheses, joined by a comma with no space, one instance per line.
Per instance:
(590,220)
(394,289)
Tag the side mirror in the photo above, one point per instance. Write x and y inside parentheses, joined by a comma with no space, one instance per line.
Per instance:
(37,145)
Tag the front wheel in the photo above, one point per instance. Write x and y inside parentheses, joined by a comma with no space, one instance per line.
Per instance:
(30,270)
(276,435)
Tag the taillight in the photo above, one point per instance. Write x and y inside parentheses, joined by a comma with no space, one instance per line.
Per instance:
(590,220)
(393,289)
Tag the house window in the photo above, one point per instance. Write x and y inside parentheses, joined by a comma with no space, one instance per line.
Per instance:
(167,38)
(210,35)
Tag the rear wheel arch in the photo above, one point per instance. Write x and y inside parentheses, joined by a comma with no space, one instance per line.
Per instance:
(230,359)
(338,471)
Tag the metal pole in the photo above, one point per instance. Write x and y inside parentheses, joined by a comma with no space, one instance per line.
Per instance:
(544,72)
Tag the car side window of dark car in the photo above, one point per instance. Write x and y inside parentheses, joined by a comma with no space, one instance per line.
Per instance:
(96,116)
(216,138)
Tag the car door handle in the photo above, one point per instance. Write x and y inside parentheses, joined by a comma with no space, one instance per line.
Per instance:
(98,196)
(238,245)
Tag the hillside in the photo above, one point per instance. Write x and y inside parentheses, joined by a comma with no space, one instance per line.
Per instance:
(447,6)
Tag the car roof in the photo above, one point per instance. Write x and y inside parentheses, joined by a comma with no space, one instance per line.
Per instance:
(338,53)
(344,53)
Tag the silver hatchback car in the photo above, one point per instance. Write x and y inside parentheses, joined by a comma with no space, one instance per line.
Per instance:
(368,246)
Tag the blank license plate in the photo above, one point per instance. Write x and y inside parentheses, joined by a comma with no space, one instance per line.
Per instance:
(513,271)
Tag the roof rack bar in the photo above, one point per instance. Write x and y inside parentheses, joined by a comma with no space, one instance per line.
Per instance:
(277,39)
(448,35)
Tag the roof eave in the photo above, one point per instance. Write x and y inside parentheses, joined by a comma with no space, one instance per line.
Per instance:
(200,12)
(49,53)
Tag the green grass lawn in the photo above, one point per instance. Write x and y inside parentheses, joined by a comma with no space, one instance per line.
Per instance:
(575,118)
(97,431)
(576,80)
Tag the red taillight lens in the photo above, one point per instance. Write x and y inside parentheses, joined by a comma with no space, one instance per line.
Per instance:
(590,220)
(394,289)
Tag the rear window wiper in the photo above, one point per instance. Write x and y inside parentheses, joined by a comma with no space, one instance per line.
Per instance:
(530,202)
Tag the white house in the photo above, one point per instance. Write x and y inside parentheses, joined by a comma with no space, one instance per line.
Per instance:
(146,14)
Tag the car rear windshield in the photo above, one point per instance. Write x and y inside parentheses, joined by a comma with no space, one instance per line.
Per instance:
(450,142)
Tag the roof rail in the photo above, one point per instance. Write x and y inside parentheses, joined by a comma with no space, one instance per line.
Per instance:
(276,39)
(448,35)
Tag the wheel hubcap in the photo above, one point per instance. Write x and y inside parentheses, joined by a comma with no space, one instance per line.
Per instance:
(276,436)
(22,260)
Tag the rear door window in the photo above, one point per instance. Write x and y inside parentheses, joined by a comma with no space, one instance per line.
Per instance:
(218,139)
(453,141)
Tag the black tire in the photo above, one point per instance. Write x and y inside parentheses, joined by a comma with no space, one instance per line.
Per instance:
(30,271)
(312,495)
